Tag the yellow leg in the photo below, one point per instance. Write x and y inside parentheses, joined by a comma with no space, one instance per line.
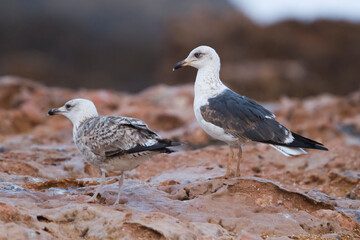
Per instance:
(231,156)
(239,159)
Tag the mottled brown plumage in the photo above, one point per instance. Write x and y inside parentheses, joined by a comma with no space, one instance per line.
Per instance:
(117,143)
(111,143)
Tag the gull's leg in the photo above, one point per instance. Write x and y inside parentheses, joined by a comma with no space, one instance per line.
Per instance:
(102,182)
(121,181)
(231,156)
(239,158)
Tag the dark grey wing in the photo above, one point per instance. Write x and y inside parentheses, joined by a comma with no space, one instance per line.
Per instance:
(243,118)
(110,136)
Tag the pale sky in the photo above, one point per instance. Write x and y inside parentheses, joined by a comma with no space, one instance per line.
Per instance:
(271,11)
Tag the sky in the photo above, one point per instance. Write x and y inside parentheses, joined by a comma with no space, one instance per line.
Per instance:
(272,11)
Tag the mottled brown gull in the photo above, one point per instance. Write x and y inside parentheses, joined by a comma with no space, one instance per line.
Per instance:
(111,143)
(236,119)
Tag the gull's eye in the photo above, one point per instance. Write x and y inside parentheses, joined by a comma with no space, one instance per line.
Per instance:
(68,106)
(197,55)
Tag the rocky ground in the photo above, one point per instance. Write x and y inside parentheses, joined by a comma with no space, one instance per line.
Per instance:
(45,182)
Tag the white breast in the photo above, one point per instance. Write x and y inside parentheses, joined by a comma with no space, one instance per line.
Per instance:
(208,85)
(211,129)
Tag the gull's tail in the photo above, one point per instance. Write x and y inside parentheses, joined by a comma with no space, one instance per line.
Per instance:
(289,151)
(296,146)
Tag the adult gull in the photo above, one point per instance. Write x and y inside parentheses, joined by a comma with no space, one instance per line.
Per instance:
(111,143)
(233,118)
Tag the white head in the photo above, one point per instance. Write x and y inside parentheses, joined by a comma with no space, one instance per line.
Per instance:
(77,110)
(201,57)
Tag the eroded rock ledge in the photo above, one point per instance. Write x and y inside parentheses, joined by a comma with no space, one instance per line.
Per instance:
(45,182)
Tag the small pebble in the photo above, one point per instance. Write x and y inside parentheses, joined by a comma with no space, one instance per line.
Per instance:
(278,238)
(61,150)
(2,149)
(331,236)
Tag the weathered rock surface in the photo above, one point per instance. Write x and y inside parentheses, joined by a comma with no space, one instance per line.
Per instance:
(45,182)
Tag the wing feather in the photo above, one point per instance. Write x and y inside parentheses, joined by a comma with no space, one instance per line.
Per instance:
(110,135)
(243,118)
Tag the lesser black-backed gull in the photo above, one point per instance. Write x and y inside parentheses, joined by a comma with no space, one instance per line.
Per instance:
(111,143)
(236,119)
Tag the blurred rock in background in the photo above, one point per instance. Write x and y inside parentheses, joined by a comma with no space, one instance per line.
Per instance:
(87,43)
(265,62)
(129,45)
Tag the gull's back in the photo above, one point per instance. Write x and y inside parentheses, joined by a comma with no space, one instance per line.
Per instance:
(104,139)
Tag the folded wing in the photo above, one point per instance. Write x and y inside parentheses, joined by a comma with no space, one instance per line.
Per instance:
(111,136)
(245,119)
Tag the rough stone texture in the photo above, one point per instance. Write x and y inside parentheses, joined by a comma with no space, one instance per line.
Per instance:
(331,236)
(44,182)
(278,238)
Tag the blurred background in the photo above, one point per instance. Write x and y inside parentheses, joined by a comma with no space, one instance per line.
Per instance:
(268,48)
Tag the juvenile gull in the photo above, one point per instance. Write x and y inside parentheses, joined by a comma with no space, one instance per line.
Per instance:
(111,143)
(236,119)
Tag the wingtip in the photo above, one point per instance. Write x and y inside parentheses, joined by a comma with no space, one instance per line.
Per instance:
(174,144)
(322,148)
(308,143)
(168,150)
(170,143)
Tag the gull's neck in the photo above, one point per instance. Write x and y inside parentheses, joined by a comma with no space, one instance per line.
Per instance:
(208,82)
(78,120)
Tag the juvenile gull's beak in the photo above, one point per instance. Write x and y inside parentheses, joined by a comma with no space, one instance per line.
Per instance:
(181,64)
(54,111)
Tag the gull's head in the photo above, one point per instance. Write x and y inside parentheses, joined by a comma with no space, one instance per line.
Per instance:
(77,110)
(201,57)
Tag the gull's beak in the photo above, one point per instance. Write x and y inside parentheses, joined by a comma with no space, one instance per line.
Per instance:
(182,63)
(55,111)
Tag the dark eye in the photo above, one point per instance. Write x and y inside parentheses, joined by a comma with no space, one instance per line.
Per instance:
(67,106)
(197,55)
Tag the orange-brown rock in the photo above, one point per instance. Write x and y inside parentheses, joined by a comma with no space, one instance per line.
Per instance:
(45,182)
